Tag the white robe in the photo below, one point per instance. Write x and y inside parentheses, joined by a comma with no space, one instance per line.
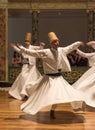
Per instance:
(28,74)
(86,83)
(51,89)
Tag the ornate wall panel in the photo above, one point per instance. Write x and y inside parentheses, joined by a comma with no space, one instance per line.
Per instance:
(3,52)
(35,20)
(71,77)
(90,25)
(91,28)
(13,73)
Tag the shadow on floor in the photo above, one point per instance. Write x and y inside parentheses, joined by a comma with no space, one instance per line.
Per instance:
(62,117)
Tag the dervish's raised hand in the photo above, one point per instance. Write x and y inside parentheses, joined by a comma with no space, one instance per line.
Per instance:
(76,49)
(90,43)
(42,44)
(81,43)
(12,44)
(19,45)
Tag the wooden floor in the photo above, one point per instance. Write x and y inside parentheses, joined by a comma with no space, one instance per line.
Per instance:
(12,118)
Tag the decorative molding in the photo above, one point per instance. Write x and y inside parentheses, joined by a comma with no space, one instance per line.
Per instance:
(52,5)
(48,4)
(31,1)
(3,3)
(91,5)
(50,1)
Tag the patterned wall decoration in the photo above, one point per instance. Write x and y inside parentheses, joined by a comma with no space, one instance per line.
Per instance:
(71,77)
(2,44)
(90,25)
(75,74)
(90,16)
(35,20)
(13,73)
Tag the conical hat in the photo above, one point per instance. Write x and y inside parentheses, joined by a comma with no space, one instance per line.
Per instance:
(52,37)
(28,37)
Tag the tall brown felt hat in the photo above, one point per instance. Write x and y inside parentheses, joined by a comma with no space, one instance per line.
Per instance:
(52,37)
(28,37)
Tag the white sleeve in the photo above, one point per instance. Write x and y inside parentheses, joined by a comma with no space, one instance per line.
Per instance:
(36,47)
(83,54)
(17,49)
(71,47)
(34,53)
(93,46)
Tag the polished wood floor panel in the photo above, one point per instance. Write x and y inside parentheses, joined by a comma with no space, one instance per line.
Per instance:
(12,118)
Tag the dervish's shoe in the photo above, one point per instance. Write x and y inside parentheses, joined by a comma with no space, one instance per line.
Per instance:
(52,116)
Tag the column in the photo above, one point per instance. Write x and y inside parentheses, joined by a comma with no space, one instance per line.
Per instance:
(3,44)
(90,25)
(90,16)
(35,21)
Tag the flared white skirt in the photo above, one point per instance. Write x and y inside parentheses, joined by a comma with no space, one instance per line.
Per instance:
(27,75)
(50,90)
(86,84)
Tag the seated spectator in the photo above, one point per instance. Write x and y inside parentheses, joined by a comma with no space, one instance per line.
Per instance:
(81,61)
(16,60)
(71,59)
